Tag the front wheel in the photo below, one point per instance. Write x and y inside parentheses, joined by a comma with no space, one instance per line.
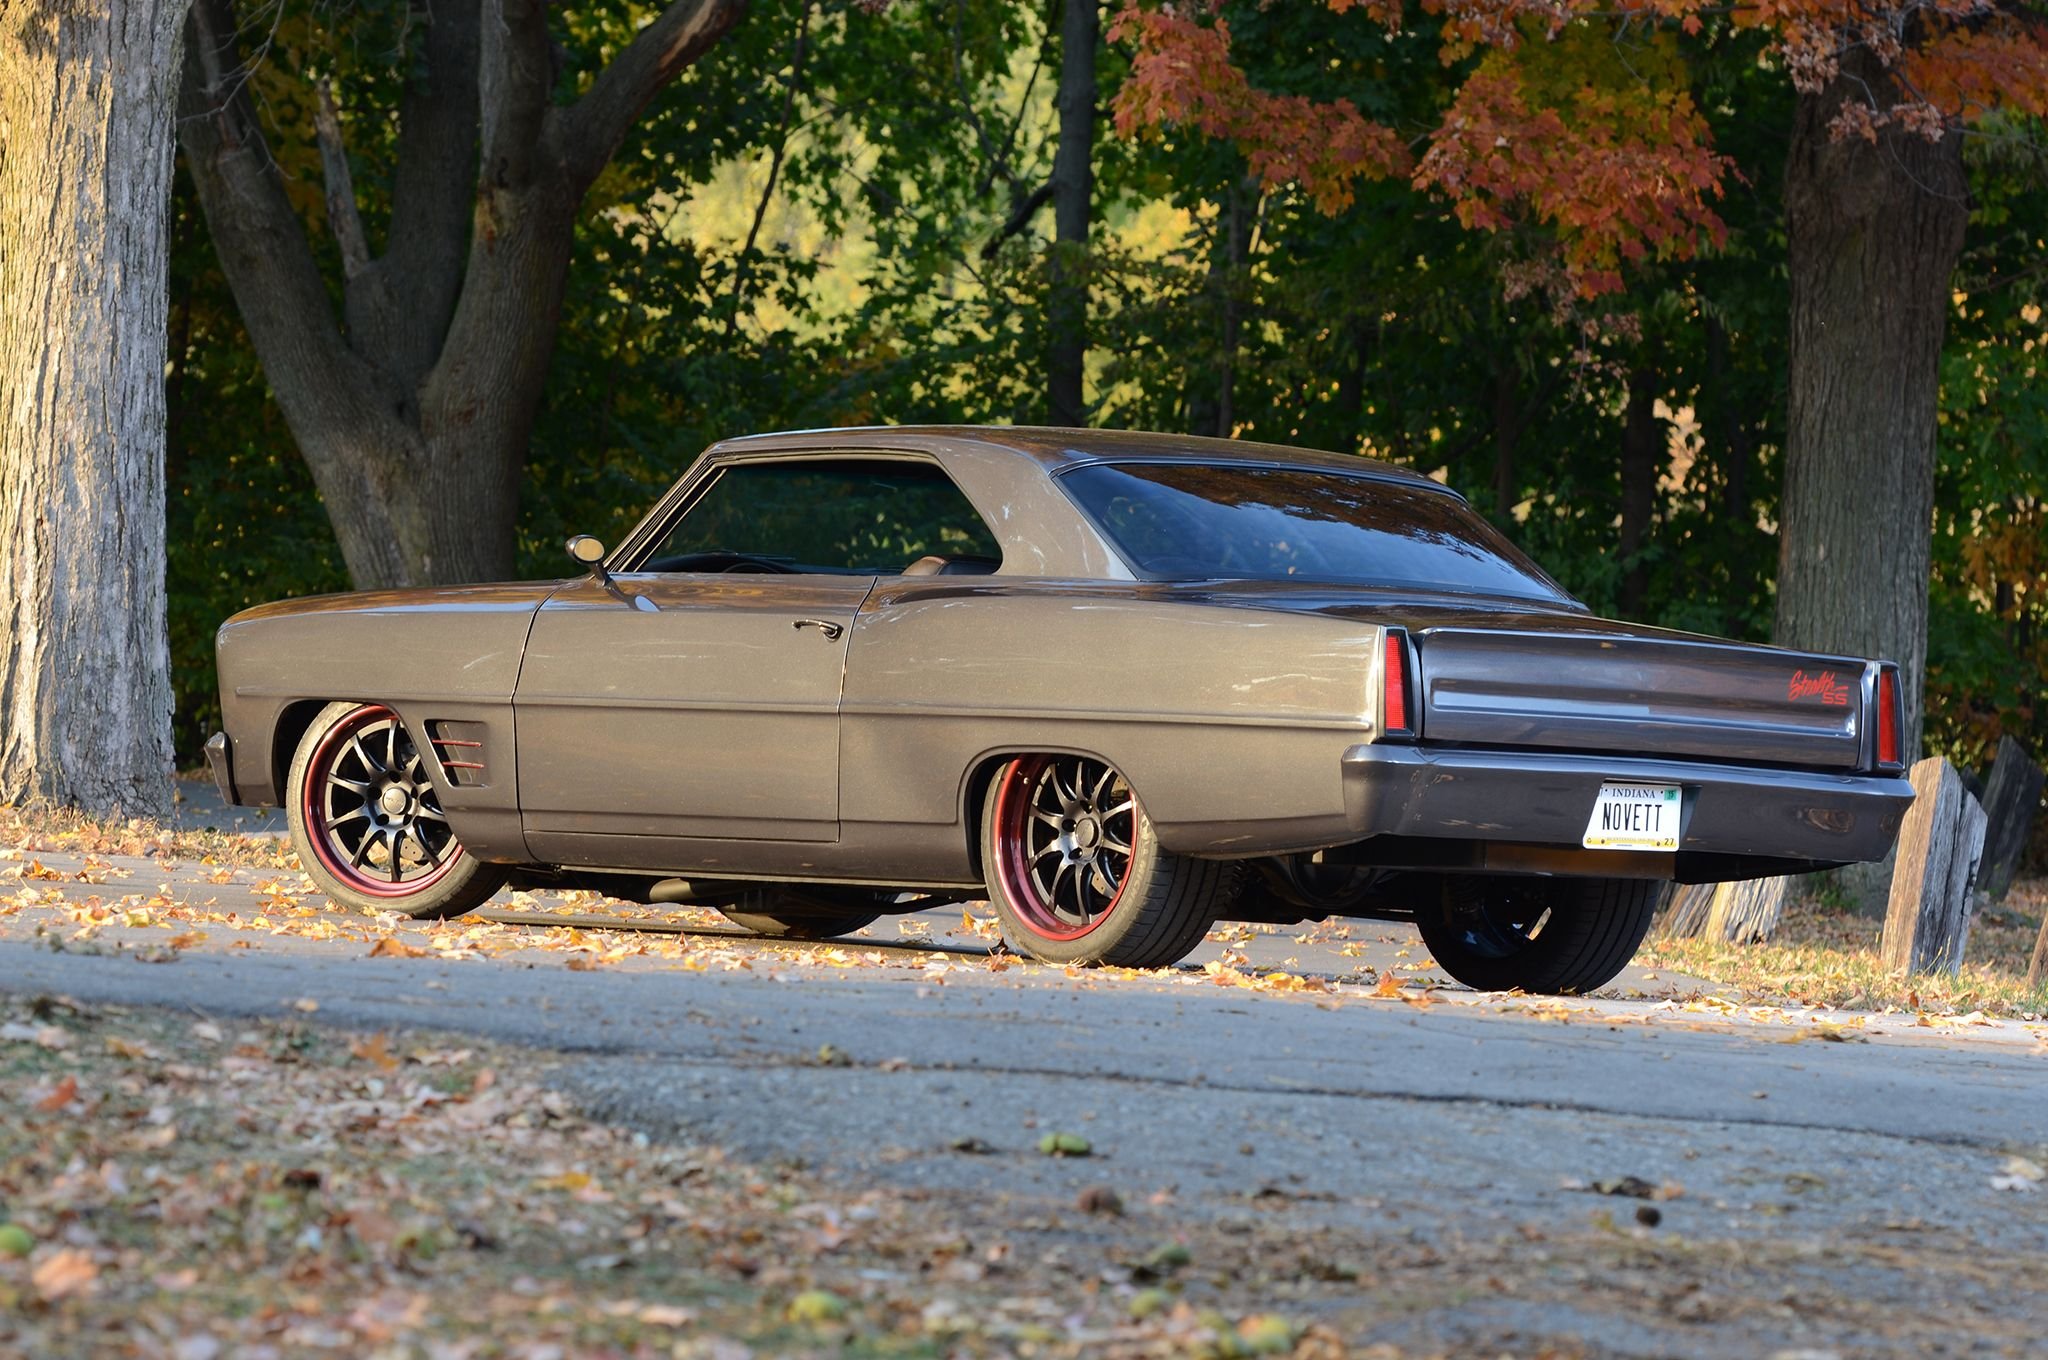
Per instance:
(1558,935)
(367,821)
(1076,875)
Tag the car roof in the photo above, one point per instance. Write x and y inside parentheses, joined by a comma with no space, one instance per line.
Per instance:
(1056,448)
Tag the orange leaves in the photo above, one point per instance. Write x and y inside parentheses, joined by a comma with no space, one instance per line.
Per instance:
(65,1092)
(1618,164)
(1619,173)
(1970,71)
(65,1274)
(1181,73)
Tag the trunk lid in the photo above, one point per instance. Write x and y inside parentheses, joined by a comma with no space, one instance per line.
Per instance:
(1578,689)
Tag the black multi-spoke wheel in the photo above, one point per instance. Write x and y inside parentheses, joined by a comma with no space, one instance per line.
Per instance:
(367,820)
(1537,934)
(1076,874)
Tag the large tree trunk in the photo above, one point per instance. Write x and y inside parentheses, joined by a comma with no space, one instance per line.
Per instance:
(86,141)
(1073,195)
(1874,232)
(413,407)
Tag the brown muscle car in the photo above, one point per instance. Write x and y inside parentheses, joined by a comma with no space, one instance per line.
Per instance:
(1120,685)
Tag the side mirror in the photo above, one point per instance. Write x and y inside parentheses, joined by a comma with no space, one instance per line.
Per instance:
(589,554)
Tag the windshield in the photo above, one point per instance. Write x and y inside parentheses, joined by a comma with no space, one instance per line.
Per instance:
(1204,521)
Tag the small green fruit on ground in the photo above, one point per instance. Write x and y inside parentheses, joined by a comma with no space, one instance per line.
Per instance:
(1065,1145)
(16,1240)
(817,1305)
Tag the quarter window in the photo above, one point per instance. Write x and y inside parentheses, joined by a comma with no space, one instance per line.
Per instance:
(849,516)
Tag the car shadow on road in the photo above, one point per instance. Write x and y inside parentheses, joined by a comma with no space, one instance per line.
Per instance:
(907,944)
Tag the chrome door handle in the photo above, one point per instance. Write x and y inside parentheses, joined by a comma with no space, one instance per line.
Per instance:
(830,629)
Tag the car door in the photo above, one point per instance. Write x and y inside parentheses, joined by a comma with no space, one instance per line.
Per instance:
(671,706)
(696,699)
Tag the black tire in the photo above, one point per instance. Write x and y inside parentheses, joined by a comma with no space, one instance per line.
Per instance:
(802,913)
(1554,935)
(359,849)
(1158,904)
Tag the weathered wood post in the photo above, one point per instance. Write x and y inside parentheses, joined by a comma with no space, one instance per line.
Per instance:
(1746,912)
(1941,845)
(2012,800)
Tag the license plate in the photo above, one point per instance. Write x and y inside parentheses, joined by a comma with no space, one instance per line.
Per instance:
(1634,817)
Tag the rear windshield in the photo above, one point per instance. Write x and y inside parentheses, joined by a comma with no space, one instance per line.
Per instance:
(1207,521)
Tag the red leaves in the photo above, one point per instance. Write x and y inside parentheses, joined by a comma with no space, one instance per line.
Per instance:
(1181,73)
(1619,169)
(1620,174)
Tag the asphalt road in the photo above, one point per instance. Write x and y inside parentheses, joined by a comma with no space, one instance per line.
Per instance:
(1438,1114)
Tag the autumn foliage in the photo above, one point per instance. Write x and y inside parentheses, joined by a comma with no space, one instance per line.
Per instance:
(1575,117)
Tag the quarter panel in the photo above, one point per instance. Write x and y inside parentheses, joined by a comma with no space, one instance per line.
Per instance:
(1230,723)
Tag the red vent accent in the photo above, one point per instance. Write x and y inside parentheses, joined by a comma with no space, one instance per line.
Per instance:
(1890,718)
(1394,685)
(459,747)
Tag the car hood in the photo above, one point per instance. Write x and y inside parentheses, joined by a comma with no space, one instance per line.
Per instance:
(470,599)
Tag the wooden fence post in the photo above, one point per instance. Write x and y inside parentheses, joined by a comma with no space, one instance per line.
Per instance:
(1927,922)
(2012,800)
(1739,913)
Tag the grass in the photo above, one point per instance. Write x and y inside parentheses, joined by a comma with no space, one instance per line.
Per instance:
(1827,955)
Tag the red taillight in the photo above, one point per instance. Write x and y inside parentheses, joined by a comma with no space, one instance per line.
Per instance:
(1394,688)
(1888,751)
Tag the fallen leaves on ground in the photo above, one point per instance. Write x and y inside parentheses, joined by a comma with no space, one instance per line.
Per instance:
(1824,957)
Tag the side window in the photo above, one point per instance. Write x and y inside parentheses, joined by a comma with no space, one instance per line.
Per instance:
(853,516)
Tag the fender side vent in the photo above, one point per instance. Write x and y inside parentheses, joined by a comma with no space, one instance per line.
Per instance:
(459,746)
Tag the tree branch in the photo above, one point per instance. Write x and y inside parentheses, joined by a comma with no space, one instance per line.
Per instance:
(1021,213)
(332,400)
(744,269)
(515,70)
(342,218)
(590,130)
(433,190)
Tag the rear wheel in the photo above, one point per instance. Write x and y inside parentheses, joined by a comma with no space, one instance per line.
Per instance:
(1557,935)
(1076,875)
(367,821)
(803,913)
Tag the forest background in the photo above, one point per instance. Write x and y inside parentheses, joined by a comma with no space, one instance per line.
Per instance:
(844,213)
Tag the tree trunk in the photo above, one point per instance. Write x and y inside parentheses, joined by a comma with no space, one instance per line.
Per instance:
(1212,409)
(86,141)
(1731,442)
(1507,435)
(1874,232)
(1073,194)
(413,408)
(1641,445)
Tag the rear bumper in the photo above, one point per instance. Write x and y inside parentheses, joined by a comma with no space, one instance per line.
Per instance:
(1543,799)
(221,760)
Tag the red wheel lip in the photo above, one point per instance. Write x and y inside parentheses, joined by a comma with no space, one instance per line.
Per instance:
(1013,874)
(311,817)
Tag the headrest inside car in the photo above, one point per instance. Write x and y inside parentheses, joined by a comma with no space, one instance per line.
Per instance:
(935,565)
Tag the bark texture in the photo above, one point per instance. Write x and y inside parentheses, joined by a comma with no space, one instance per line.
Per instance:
(1874,233)
(86,140)
(413,406)
(1073,195)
